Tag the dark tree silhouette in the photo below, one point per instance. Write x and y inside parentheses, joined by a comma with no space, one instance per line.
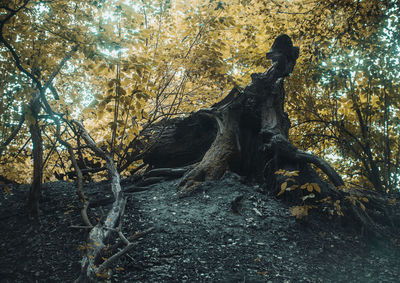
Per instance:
(247,132)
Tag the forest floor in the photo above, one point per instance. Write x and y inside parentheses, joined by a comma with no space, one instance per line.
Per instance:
(197,238)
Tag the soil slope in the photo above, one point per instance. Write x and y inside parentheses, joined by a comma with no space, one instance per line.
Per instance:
(227,232)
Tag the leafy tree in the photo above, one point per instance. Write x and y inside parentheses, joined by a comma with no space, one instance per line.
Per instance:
(78,71)
(38,41)
(349,109)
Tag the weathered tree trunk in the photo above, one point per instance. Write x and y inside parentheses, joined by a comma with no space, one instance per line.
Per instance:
(252,140)
(217,159)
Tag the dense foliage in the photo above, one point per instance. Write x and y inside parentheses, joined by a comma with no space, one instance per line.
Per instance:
(119,66)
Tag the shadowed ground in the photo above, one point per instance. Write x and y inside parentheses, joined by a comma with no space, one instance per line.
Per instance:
(225,232)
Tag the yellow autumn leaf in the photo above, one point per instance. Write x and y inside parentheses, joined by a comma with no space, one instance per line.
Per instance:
(374,101)
(363,98)
(316,187)
(283,188)
(279,172)
(7,190)
(298,211)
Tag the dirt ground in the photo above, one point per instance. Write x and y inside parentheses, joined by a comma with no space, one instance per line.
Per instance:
(226,232)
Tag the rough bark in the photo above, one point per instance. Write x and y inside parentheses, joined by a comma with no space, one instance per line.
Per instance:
(216,160)
(94,266)
(101,232)
(252,139)
(250,133)
(182,141)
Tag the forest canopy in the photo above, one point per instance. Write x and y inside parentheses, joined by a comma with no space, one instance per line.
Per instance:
(119,67)
(299,98)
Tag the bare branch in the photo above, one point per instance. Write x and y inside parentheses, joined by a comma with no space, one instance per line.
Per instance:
(13,134)
(59,67)
(115,257)
(78,172)
(99,234)
(323,165)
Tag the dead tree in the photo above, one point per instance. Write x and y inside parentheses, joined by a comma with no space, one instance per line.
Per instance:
(248,133)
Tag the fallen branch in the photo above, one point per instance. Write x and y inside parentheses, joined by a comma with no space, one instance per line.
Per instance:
(101,232)
(131,238)
(128,244)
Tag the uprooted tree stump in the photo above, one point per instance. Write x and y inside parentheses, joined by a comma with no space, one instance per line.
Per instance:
(248,133)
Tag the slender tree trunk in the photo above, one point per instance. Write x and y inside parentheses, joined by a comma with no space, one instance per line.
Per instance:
(387,158)
(37,152)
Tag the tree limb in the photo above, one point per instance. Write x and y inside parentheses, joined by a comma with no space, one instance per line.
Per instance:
(323,165)
(13,134)
(11,49)
(100,233)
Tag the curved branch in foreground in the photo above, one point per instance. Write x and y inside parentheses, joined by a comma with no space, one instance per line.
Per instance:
(93,264)
(100,233)
(321,164)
